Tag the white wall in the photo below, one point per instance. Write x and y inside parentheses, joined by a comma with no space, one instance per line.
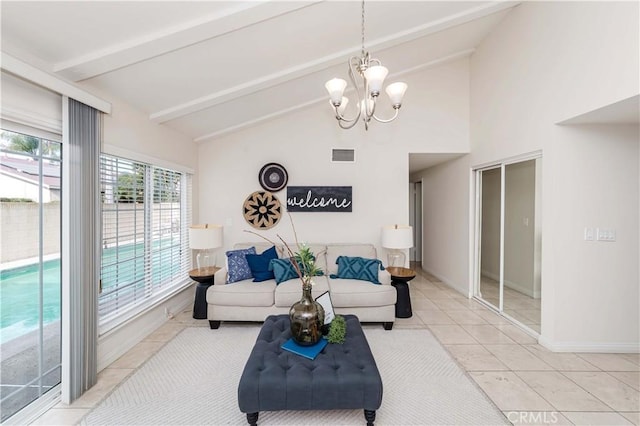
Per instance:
(545,62)
(434,118)
(445,212)
(596,284)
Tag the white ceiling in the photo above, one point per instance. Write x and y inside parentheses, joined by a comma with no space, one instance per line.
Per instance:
(206,68)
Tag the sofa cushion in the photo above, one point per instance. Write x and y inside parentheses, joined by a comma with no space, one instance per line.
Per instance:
(358,268)
(346,293)
(336,250)
(259,264)
(237,265)
(290,292)
(283,270)
(242,293)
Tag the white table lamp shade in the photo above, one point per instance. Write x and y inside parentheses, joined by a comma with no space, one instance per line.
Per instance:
(397,237)
(205,236)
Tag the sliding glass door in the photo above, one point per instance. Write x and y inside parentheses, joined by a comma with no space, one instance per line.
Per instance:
(508,238)
(30,279)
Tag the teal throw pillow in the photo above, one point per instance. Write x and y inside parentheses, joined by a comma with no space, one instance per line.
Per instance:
(238,267)
(358,268)
(259,264)
(283,270)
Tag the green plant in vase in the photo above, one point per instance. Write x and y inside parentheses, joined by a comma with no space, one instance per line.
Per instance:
(307,315)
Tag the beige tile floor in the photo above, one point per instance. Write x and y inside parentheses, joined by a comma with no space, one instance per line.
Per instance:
(528,383)
(523,308)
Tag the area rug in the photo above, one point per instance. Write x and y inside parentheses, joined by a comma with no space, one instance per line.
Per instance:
(193,380)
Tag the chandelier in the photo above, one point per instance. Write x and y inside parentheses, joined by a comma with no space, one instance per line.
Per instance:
(371,74)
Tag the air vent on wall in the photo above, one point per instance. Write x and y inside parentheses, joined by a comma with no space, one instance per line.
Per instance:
(343,155)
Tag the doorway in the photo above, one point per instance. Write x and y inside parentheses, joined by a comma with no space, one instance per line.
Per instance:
(30,271)
(508,236)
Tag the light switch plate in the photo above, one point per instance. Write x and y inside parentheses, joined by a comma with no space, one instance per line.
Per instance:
(588,234)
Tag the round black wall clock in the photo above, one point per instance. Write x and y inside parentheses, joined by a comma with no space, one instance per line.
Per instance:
(273,177)
(262,210)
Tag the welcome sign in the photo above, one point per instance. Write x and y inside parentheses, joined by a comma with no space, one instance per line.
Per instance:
(319,198)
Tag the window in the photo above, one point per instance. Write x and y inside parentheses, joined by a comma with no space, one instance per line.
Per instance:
(146,211)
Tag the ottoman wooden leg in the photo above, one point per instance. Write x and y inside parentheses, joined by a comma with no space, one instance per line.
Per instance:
(370,416)
(252,418)
(214,325)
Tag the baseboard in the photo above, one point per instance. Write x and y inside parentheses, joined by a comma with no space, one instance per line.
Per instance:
(491,275)
(514,286)
(448,282)
(593,347)
(116,343)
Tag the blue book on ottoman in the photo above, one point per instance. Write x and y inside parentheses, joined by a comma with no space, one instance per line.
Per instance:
(310,352)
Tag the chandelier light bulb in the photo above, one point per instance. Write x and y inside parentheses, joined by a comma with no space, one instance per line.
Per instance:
(396,93)
(366,105)
(343,105)
(375,76)
(336,87)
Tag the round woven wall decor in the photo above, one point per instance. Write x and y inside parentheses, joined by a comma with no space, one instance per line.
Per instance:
(273,177)
(262,210)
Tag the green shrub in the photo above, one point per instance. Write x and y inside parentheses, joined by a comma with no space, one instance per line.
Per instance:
(15,200)
(337,330)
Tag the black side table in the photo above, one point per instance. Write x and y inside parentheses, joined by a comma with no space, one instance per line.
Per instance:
(400,278)
(204,277)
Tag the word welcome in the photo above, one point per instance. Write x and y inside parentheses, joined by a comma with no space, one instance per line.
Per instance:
(319,198)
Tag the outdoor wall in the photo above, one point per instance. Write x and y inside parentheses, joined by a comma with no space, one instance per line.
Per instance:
(445,221)
(434,118)
(544,63)
(19,223)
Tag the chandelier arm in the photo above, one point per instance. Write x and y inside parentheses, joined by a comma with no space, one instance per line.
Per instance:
(341,117)
(388,120)
(347,126)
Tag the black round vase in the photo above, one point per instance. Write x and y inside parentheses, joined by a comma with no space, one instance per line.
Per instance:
(307,318)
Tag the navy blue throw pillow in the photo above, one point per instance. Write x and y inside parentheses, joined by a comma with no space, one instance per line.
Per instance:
(259,264)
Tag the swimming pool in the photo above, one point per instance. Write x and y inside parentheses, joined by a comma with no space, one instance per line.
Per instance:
(19,287)
(19,292)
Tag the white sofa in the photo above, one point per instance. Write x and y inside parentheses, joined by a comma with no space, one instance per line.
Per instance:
(254,301)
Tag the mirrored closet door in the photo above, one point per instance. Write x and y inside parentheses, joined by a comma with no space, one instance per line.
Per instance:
(508,237)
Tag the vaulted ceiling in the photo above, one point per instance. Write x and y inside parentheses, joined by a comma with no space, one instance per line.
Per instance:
(206,68)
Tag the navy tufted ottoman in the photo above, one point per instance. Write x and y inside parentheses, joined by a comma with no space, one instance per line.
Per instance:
(341,377)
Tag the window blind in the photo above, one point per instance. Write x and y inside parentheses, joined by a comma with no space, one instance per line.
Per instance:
(146,212)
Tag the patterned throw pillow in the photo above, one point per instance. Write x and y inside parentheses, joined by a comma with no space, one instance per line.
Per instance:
(259,264)
(283,270)
(238,267)
(358,268)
